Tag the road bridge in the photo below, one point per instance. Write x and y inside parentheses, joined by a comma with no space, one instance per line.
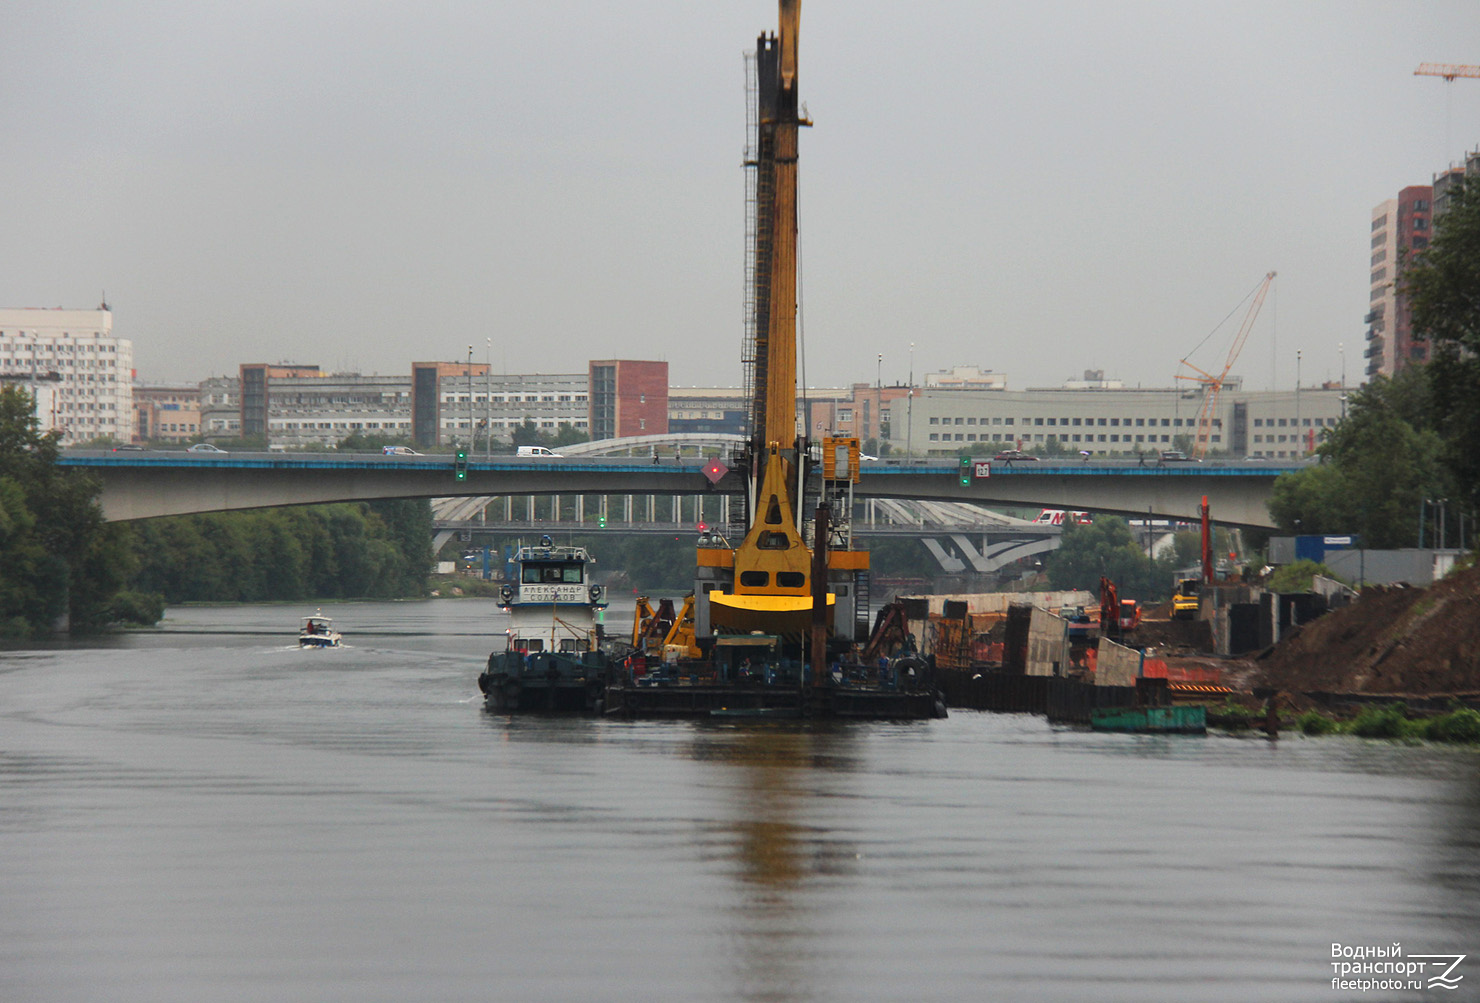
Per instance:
(143,485)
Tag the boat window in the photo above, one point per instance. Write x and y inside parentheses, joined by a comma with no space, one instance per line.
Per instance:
(548,574)
(535,644)
(772,541)
(790,579)
(572,645)
(755,579)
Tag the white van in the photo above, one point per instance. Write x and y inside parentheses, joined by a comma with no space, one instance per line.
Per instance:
(536,451)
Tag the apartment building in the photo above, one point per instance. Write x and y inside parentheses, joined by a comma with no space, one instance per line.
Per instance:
(74,354)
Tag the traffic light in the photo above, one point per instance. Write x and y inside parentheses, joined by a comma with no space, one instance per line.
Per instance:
(966,471)
(601,521)
(460,464)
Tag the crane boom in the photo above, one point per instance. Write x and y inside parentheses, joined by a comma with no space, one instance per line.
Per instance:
(1213,385)
(1446,70)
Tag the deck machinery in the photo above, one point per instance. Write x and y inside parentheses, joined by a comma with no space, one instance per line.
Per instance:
(791,598)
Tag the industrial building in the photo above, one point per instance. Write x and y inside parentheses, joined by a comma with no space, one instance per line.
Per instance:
(1112,422)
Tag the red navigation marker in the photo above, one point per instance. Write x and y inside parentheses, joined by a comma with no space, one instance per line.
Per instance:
(715,470)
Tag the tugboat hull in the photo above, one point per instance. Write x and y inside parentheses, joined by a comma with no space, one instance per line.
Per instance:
(547,682)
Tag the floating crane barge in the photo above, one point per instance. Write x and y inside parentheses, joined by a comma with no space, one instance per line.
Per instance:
(776,620)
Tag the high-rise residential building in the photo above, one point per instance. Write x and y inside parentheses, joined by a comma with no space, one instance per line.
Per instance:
(1401,227)
(74,354)
(1444,183)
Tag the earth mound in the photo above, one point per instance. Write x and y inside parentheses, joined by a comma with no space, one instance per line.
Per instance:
(1392,639)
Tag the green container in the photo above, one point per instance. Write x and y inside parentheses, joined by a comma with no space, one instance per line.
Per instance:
(1152,720)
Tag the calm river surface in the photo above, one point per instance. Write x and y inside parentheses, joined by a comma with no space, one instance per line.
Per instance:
(207,813)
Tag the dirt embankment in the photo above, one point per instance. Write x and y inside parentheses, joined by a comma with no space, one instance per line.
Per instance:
(1391,640)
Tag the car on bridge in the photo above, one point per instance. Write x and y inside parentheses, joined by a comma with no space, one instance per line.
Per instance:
(399,451)
(1177,456)
(205,447)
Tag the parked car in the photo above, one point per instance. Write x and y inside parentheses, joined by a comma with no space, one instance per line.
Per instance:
(205,447)
(1011,455)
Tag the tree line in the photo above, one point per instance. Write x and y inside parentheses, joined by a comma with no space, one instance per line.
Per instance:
(63,566)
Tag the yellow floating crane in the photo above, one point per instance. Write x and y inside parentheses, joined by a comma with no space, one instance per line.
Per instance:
(768,583)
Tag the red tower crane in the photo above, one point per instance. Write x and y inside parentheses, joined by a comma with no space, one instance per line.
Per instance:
(1213,385)
(1446,70)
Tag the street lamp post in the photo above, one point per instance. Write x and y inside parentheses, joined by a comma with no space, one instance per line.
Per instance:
(488,399)
(1299,432)
(472,436)
(909,411)
(1341,350)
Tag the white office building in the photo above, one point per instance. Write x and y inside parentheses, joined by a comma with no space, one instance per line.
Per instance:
(74,352)
(1114,422)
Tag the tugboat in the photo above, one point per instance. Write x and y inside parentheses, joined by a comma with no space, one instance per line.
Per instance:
(318,632)
(552,660)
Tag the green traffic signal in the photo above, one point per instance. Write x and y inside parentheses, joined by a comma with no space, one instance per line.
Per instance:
(460,464)
(601,521)
(966,471)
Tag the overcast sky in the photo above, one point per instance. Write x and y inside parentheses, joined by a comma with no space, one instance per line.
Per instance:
(1036,189)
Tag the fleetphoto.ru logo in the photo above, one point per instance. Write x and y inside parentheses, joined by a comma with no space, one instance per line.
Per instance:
(1365,968)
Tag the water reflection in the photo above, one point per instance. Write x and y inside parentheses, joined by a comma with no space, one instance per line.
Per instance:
(780,854)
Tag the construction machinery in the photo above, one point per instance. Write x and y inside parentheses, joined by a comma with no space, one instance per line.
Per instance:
(791,599)
(1212,385)
(1446,70)
(772,581)
(1119,617)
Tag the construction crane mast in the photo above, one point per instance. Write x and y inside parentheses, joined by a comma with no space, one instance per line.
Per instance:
(1213,385)
(773,585)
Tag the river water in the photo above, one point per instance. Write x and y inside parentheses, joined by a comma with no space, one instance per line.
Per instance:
(205,812)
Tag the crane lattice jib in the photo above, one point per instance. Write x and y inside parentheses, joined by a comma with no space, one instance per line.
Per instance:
(1446,70)
(1213,385)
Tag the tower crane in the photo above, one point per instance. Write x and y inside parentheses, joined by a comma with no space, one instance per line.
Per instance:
(1446,70)
(1213,385)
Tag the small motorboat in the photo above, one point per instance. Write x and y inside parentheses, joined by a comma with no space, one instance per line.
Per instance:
(318,632)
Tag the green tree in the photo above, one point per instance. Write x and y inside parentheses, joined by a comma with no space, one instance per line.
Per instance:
(1443,288)
(56,554)
(1377,467)
(1106,547)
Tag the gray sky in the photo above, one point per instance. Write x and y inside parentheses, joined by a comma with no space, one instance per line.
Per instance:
(1036,189)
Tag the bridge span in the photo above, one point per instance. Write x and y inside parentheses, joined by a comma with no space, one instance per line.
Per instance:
(139,485)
